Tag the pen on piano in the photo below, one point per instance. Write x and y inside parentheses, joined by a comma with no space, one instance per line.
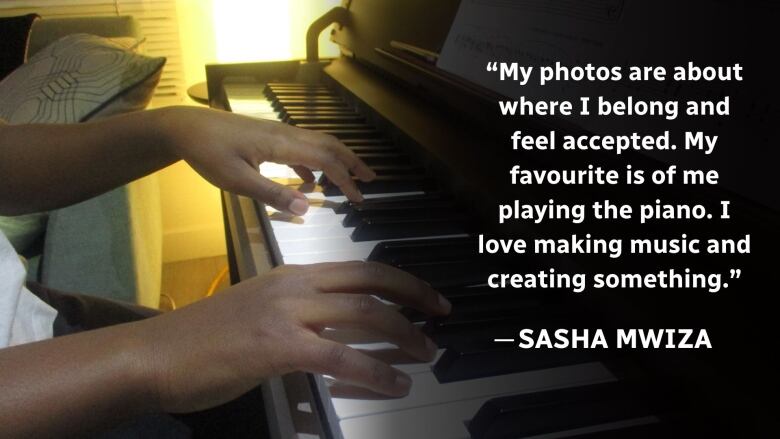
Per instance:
(418,52)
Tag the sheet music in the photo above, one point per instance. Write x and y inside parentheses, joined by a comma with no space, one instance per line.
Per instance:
(530,32)
(574,33)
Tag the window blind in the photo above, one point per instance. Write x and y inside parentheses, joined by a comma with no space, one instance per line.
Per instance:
(157,20)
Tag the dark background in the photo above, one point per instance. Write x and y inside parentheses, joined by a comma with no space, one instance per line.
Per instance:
(736,376)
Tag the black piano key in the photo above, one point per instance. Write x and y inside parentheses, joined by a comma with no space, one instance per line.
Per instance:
(565,409)
(377,141)
(308,111)
(357,133)
(287,116)
(373,149)
(423,250)
(324,118)
(386,171)
(284,93)
(390,170)
(348,206)
(296,91)
(272,89)
(466,295)
(484,299)
(335,126)
(464,324)
(289,94)
(450,273)
(387,227)
(296,100)
(480,299)
(302,85)
(383,184)
(377,159)
(292,109)
(293,92)
(358,214)
(308,104)
(467,361)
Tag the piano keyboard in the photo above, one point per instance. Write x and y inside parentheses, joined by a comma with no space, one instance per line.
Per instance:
(474,387)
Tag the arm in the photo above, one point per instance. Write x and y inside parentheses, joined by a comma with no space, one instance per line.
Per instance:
(50,166)
(215,350)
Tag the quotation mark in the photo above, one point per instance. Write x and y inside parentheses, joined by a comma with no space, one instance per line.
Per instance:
(492,66)
(734,273)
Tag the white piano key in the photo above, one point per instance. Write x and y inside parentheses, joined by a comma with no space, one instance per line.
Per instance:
(318,218)
(409,368)
(276,170)
(444,421)
(318,258)
(426,390)
(324,246)
(320,250)
(448,421)
(311,232)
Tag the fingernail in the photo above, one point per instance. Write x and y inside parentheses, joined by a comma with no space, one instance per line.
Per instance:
(298,206)
(445,304)
(403,383)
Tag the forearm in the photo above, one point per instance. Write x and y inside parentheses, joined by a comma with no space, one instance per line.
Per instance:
(49,166)
(76,384)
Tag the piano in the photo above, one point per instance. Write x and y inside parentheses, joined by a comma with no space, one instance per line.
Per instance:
(436,143)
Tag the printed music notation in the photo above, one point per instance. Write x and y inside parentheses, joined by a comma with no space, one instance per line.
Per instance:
(600,10)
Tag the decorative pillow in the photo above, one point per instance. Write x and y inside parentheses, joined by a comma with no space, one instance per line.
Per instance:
(14,36)
(76,78)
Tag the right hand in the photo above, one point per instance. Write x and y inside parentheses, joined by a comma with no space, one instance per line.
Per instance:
(217,349)
(226,149)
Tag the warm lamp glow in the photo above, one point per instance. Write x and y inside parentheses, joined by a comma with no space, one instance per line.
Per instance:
(252,30)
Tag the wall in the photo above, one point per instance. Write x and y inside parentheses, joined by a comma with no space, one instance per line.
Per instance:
(192,216)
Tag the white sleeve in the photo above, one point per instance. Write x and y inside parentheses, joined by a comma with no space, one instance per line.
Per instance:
(24,318)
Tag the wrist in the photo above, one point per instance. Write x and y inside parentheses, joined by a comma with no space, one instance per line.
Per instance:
(169,127)
(135,362)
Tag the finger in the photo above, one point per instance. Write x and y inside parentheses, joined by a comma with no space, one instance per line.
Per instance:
(351,367)
(354,164)
(251,184)
(314,150)
(383,280)
(304,172)
(337,174)
(358,311)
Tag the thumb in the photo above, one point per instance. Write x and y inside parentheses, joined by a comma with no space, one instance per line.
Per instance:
(274,194)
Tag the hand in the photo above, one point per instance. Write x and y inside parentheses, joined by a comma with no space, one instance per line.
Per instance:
(226,149)
(217,349)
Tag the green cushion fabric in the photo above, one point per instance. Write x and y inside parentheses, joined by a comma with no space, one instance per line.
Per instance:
(22,231)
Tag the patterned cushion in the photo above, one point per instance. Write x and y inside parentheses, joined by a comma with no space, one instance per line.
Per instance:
(74,78)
